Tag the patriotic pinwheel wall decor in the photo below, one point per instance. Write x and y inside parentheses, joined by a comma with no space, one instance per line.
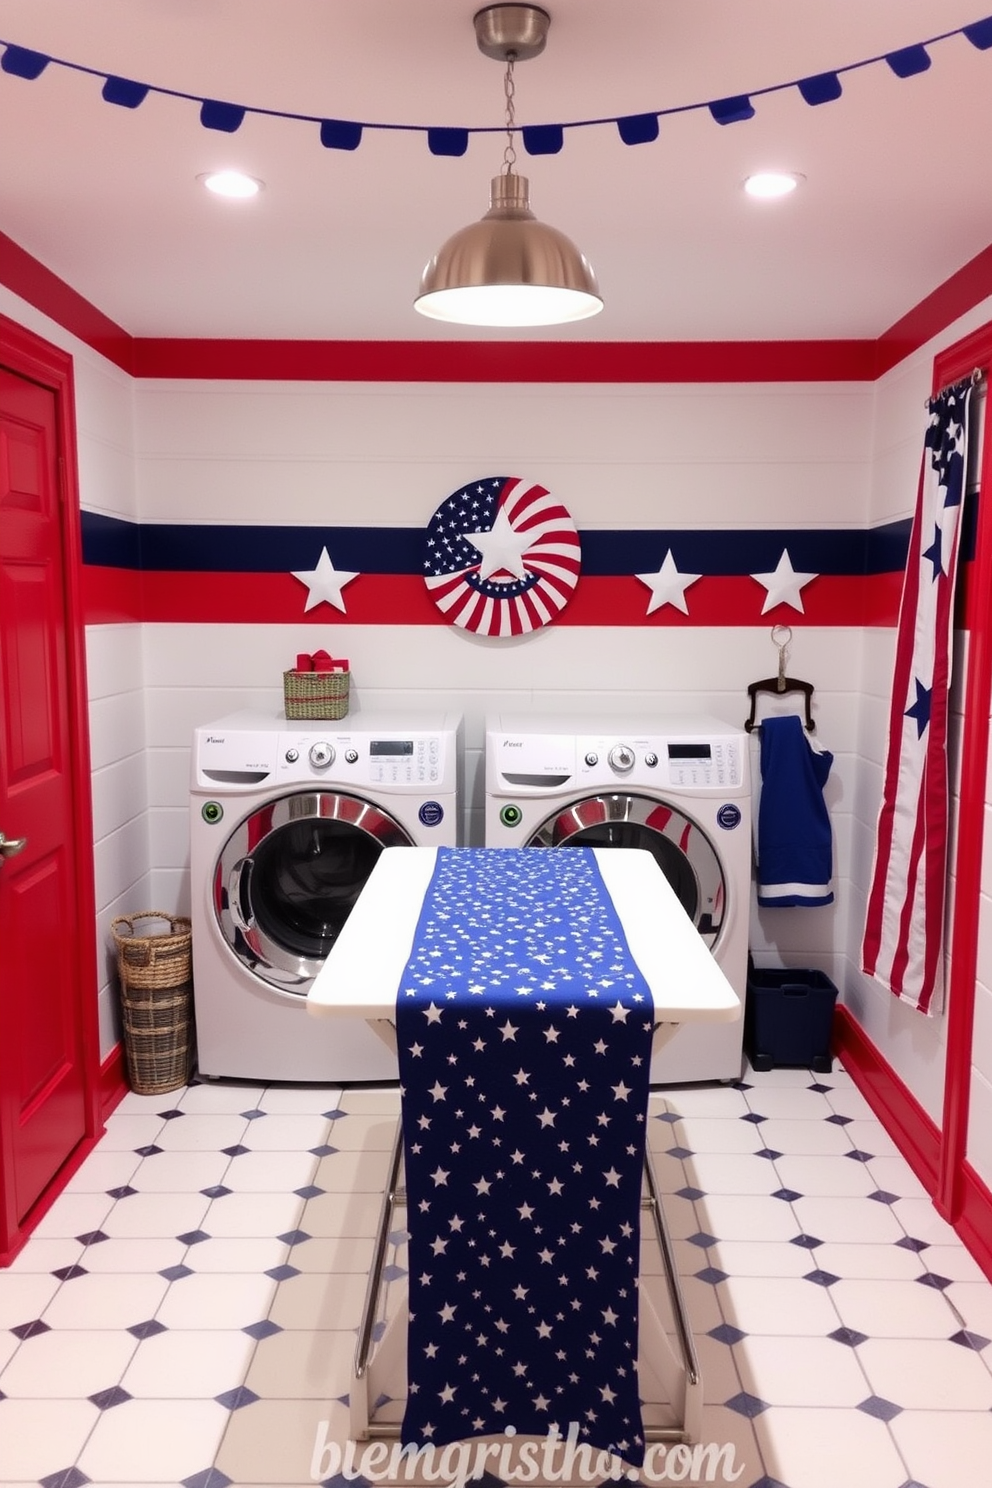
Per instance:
(502,556)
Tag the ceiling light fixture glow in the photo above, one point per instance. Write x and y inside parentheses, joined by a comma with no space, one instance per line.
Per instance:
(509,269)
(234,185)
(768,185)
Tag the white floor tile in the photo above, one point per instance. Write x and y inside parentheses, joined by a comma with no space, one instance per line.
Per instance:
(801,1371)
(957,1263)
(353,1172)
(270,1172)
(240,1253)
(212,1301)
(316,1302)
(189,1364)
(74,1214)
(139,1254)
(927,1374)
(42,1254)
(789,1104)
(378,1100)
(68,1364)
(821,1448)
(700,1100)
(220,1099)
(296,1099)
(827,1173)
(747,1217)
(920,1219)
(128,1130)
(289,1132)
(40,1437)
(108,1301)
(204,1132)
(103,1169)
(761,1258)
(716,1134)
(856,1262)
(363,1133)
(846,1101)
(947,1449)
(893,1309)
(972,1299)
(843,1218)
(782,1306)
(154,1216)
(148,1441)
(257,1215)
(800,1138)
(180,1172)
(718,1173)
(303,1364)
(355,1215)
(24,1297)
(871,1136)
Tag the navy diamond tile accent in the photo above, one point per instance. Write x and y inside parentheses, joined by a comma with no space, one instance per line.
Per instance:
(767,1482)
(235,1151)
(746,1405)
(150,1151)
(334,1115)
(788,1194)
(839,1120)
(378,1331)
(233,1400)
(294,1237)
(680,1152)
(283,1273)
(66,1273)
(398,1237)
(908,1243)
(711,1273)
(753,1116)
(850,1336)
(880,1408)
(967,1339)
(193,1237)
(931,1279)
(172,1115)
(340,1481)
(808,1242)
(740,1085)
(856,1155)
(311,1191)
(66,1477)
(820,1089)
(726,1333)
(768,1152)
(210,1477)
(176,1273)
(92,1237)
(821,1278)
(912,1483)
(252,1115)
(219,1191)
(147,1329)
(670,1116)
(31,1329)
(264,1329)
(106,1399)
(882,1196)
(701,1238)
(690,1193)
(393,1273)
(323,1150)
(124,1192)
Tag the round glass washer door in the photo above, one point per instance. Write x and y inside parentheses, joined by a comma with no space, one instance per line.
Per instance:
(288,877)
(680,847)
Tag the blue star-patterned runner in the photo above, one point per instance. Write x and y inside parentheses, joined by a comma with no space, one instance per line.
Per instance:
(524,1032)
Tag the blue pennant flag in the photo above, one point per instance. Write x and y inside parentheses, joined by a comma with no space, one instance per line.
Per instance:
(524,1030)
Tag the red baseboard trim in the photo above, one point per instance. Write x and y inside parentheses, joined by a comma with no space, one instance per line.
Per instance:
(113,1081)
(915,1133)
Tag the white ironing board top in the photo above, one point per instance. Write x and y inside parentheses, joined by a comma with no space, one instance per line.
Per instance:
(361,973)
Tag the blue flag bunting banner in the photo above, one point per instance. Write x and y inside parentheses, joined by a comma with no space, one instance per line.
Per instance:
(538,139)
(524,1032)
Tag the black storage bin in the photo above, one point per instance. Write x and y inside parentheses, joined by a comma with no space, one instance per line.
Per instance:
(788,1019)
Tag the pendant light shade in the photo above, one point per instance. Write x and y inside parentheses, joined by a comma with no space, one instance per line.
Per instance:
(508,269)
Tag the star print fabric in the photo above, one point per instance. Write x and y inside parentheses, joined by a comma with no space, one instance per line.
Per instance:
(524,1033)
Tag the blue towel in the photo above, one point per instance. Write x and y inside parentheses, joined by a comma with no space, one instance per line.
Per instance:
(794,840)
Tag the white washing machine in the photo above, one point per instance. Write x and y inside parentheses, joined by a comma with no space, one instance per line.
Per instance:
(286,823)
(679,787)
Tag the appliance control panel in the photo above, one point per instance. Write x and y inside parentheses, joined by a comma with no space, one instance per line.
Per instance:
(414,760)
(536,763)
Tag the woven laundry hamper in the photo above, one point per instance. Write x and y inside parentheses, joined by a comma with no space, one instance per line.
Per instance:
(156,972)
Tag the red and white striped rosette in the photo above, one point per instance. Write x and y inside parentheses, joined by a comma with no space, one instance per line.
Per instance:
(503,557)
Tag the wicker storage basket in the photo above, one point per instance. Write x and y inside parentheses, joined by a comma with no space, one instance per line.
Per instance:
(316,694)
(156,972)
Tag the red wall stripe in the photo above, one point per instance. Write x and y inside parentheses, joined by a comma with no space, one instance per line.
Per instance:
(956,296)
(26,277)
(114,596)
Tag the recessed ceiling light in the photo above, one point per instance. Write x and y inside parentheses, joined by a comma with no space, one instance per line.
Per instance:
(231,183)
(766,185)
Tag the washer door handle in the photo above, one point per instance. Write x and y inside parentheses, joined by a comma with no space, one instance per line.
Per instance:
(239,896)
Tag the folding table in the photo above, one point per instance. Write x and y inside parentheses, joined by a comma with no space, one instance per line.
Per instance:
(360,978)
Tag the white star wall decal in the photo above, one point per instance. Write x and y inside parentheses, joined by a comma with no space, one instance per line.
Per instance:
(502,548)
(784,585)
(668,586)
(325,583)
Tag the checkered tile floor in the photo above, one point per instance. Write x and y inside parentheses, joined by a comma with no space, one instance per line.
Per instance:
(186,1312)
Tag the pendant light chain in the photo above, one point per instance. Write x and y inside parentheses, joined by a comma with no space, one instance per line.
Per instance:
(509,154)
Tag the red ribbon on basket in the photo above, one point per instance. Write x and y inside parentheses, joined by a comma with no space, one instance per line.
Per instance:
(320,661)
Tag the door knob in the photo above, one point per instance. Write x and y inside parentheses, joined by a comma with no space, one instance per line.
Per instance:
(9,847)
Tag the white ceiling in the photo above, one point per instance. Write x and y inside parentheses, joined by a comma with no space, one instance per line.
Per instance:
(898,191)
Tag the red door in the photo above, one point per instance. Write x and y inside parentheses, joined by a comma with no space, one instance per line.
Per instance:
(44,1078)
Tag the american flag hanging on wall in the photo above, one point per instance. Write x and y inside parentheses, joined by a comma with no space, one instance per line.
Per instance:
(903,939)
(502,557)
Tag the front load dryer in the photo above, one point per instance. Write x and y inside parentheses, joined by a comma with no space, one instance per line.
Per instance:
(287,821)
(678,786)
